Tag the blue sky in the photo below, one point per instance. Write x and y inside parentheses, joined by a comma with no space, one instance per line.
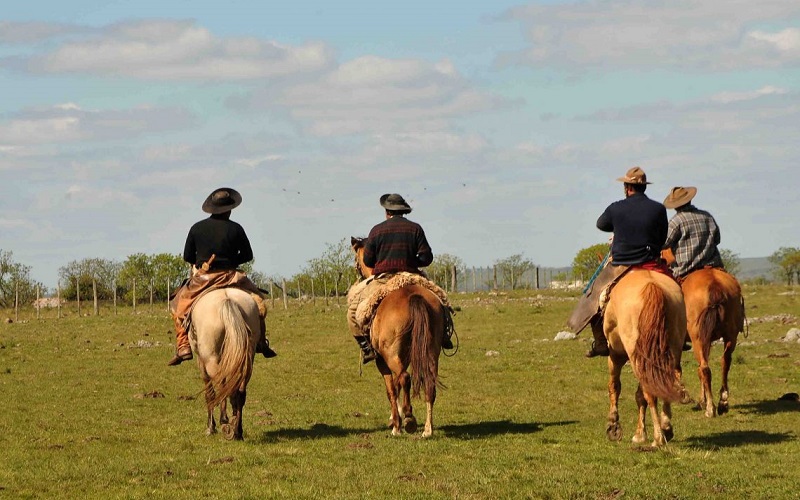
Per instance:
(504,124)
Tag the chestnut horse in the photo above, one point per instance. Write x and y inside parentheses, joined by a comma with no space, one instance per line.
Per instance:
(225,327)
(645,322)
(407,331)
(714,310)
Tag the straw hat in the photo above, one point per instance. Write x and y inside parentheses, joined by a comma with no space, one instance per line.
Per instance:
(679,196)
(634,175)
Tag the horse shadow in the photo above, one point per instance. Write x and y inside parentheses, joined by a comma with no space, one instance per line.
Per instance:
(482,430)
(769,407)
(316,431)
(734,439)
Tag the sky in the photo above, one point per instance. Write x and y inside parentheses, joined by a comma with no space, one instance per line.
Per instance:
(503,124)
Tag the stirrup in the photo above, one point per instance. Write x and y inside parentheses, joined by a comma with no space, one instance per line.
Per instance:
(180,358)
(595,351)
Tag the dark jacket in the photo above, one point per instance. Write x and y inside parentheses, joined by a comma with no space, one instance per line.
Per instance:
(639,225)
(219,236)
(397,244)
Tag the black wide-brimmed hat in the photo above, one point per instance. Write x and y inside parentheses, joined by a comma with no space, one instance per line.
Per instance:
(222,200)
(395,202)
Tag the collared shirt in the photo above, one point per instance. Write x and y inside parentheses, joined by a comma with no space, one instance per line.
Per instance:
(639,225)
(397,244)
(693,237)
(222,237)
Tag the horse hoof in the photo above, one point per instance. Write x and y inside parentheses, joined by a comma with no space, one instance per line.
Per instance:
(638,439)
(396,431)
(228,431)
(211,432)
(410,425)
(426,434)
(614,432)
(668,434)
(722,409)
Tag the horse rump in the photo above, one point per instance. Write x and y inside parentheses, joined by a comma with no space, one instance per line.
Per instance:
(655,362)
(235,361)
(712,316)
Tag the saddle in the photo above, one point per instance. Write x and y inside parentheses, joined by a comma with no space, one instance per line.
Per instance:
(386,284)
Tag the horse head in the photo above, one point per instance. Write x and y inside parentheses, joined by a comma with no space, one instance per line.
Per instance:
(357,244)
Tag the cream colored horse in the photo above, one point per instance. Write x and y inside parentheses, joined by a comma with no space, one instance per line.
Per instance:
(645,322)
(225,329)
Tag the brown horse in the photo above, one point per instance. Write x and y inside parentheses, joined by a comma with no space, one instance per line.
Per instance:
(644,322)
(407,331)
(714,310)
(225,329)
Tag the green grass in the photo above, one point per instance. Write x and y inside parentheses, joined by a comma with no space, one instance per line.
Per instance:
(91,411)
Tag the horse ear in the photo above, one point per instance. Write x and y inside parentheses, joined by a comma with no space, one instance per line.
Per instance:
(356,243)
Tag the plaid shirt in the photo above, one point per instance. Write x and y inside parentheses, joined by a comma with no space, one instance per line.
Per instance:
(693,237)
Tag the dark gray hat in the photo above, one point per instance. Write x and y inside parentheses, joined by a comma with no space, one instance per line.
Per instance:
(222,200)
(394,202)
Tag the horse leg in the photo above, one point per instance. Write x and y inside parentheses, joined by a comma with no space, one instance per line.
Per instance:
(727,356)
(704,373)
(659,439)
(641,404)
(406,411)
(211,425)
(613,429)
(392,388)
(223,412)
(666,421)
(429,400)
(233,430)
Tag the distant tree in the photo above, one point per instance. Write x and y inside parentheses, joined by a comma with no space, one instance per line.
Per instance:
(512,268)
(15,281)
(731,261)
(787,264)
(84,273)
(442,268)
(587,260)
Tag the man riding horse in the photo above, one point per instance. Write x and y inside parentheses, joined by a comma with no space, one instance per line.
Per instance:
(215,247)
(396,245)
(639,225)
(693,234)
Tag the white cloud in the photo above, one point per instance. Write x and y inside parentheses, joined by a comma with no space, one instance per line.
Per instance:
(32,32)
(176,50)
(727,97)
(698,34)
(376,95)
(69,123)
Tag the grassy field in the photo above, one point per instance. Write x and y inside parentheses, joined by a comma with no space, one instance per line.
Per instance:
(91,411)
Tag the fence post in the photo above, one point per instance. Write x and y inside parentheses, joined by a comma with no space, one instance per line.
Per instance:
(134,295)
(167,293)
(285,303)
(325,289)
(16,300)
(94,293)
(272,295)
(38,305)
(114,286)
(313,295)
(58,296)
(78,292)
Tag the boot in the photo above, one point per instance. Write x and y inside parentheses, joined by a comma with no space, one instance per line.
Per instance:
(600,344)
(183,351)
(447,342)
(262,347)
(368,353)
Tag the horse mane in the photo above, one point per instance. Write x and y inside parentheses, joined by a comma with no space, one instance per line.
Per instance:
(654,357)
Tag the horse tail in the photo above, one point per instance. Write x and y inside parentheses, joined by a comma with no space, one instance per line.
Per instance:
(712,316)
(654,360)
(423,351)
(236,362)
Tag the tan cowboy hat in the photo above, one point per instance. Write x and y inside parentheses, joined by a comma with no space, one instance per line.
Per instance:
(634,175)
(679,196)
(395,202)
(222,200)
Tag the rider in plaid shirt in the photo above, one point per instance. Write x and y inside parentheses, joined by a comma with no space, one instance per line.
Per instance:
(693,234)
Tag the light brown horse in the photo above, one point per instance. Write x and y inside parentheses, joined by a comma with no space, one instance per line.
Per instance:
(225,329)
(406,333)
(645,322)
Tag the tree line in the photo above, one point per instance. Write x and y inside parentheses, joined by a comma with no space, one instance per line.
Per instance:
(154,277)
